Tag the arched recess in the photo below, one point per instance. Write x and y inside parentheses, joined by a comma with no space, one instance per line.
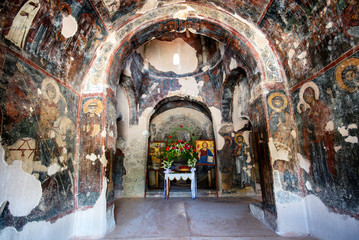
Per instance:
(256,57)
(179,118)
(237,165)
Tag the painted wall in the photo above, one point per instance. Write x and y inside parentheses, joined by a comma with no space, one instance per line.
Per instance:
(44,62)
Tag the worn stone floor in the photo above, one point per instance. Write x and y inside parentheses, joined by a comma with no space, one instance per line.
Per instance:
(186,219)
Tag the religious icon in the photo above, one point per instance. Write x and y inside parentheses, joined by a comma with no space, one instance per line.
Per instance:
(205,151)
(280,119)
(156,150)
(347,75)
(318,135)
(21,24)
(90,128)
(244,164)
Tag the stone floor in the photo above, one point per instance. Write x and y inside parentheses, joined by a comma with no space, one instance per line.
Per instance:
(187,219)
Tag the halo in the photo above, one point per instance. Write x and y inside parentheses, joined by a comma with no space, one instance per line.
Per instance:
(97,102)
(45,83)
(64,5)
(306,105)
(236,136)
(307,85)
(350,62)
(277,94)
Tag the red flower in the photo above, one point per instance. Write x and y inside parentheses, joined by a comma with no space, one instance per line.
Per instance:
(181,126)
(191,146)
(194,150)
(192,134)
(175,143)
(181,149)
(166,159)
(168,148)
(169,136)
(187,148)
(173,147)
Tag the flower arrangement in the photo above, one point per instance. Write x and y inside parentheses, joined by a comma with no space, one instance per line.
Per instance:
(179,149)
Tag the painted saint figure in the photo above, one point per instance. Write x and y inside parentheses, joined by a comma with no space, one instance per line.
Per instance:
(280,120)
(90,166)
(241,156)
(205,155)
(22,23)
(318,136)
(288,177)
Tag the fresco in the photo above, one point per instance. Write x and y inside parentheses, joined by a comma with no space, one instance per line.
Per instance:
(38,128)
(282,140)
(327,119)
(208,29)
(236,164)
(91,159)
(309,35)
(114,11)
(248,9)
(37,29)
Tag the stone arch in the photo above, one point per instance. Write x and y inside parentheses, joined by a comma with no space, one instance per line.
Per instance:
(243,36)
(228,89)
(262,65)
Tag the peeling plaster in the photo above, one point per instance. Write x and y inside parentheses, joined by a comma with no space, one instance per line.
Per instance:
(343,131)
(352,139)
(352,126)
(149,5)
(303,162)
(233,64)
(13,177)
(93,223)
(69,26)
(182,14)
(160,55)
(217,119)
(189,86)
(281,154)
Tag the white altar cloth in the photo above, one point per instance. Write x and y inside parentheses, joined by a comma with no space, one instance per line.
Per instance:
(169,176)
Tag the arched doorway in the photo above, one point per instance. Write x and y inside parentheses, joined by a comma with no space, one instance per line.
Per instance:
(177,119)
(245,47)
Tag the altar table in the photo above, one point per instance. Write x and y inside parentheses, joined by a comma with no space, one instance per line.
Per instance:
(169,176)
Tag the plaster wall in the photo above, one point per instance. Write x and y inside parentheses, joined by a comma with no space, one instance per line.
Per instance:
(122,112)
(94,222)
(25,185)
(309,215)
(198,122)
(176,56)
(135,157)
(325,224)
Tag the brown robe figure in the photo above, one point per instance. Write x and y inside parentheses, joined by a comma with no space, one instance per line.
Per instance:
(90,166)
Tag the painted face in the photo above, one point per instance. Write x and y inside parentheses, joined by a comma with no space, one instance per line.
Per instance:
(309,95)
(51,91)
(204,145)
(280,166)
(92,108)
(351,79)
(277,102)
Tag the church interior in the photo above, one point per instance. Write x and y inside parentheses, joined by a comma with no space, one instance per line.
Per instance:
(101,99)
